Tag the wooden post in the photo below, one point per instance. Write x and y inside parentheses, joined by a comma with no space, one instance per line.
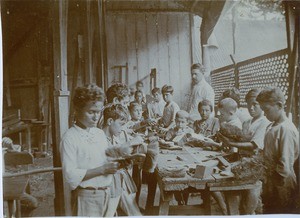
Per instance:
(60,106)
(101,42)
(88,37)
(292,29)
(236,73)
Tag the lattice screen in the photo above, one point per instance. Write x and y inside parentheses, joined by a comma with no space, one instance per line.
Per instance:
(259,72)
(267,70)
(221,80)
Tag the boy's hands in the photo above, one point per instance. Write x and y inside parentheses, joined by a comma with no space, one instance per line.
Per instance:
(7,142)
(210,142)
(137,140)
(150,122)
(224,140)
(163,130)
(109,168)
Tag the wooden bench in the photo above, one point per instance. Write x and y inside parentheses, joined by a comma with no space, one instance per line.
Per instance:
(15,184)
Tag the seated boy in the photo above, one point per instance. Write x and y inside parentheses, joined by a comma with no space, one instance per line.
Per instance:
(168,119)
(256,128)
(139,125)
(230,124)
(137,122)
(208,125)
(181,128)
(156,108)
(116,94)
(281,150)
(234,93)
(124,189)
(228,112)
(138,96)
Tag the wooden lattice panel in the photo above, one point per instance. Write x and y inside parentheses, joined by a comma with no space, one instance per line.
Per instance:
(264,71)
(221,80)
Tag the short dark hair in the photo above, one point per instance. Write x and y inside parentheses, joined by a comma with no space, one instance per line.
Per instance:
(233,93)
(253,93)
(139,83)
(133,104)
(228,104)
(155,90)
(137,92)
(119,90)
(198,66)
(182,114)
(205,102)
(167,89)
(87,93)
(271,95)
(115,111)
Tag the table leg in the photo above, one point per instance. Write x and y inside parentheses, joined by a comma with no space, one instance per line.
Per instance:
(164,203)
(28,139)
(205,195)
(11,208)
(232,201)
(18,208)
(163,207)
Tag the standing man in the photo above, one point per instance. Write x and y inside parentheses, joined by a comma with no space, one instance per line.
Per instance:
(201,90)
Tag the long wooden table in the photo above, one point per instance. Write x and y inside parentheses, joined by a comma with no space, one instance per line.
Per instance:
(190,157)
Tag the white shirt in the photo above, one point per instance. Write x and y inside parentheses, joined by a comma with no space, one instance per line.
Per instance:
(257,129)
(156,109)
(82,150)
(200,91)
(169,113)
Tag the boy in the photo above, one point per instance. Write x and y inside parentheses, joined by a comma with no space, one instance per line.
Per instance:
(139,99)
(256,129)
(181,128)
(123,189)
(118,94)
(228,112)
(168,119)
(156,108)
(229,120)
(139,87)
(131,94)
(281,150)
(208,125)
(234,93)
(137,122)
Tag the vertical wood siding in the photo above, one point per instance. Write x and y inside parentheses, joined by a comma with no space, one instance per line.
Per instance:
(151,40)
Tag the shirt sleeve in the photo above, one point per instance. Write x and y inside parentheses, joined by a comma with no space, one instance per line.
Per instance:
(72,174)
(259,135)
(175,110)
(286,147)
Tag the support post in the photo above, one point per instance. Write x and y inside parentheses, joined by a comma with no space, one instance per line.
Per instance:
(60,106)
(103,48)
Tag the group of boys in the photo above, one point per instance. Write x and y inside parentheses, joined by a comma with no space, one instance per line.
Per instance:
(126,121)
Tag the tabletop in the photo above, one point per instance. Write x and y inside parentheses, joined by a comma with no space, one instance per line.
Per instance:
(190,157)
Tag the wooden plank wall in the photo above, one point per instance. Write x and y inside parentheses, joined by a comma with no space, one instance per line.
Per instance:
(151,40)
